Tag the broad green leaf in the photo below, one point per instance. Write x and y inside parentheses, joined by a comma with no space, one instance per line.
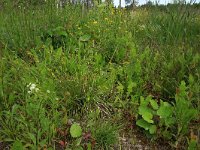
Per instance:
(165,111)
(154,104)
(75,130)
(144,109)
(147,113)
(147,117)
(142,123)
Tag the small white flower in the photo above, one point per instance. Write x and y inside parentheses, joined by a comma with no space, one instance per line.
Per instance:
(48,91)
(36,89)
(32,88)
(57,99)
(29,92)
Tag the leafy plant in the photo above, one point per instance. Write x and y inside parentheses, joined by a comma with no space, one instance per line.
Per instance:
(155,117)
(75,130)
(183,105)
(57,37)
(93,65)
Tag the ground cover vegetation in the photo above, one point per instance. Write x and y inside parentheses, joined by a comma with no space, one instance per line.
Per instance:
(89,76)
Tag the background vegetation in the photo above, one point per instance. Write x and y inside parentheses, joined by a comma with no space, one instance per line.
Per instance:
(83,75)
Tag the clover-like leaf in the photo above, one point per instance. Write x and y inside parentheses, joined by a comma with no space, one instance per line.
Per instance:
(75,130)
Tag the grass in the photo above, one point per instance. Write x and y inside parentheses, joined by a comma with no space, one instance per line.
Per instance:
(97,67)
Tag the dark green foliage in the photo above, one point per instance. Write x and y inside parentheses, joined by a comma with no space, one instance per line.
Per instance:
(60,66)
(57,37)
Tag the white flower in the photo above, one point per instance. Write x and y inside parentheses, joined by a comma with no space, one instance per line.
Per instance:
(36,89)
(29,92)
(32,88)
(48,91)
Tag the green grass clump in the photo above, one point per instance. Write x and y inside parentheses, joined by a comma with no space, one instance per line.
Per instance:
(106,135)
(58,65)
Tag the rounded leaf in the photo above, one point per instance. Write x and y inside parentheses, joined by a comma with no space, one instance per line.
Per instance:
(75,130)
(154,104)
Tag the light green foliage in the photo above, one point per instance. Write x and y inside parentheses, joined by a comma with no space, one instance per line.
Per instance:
(169,116)
(96,66)
(149,110)
(17,145)
(75,130)
(183,104)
